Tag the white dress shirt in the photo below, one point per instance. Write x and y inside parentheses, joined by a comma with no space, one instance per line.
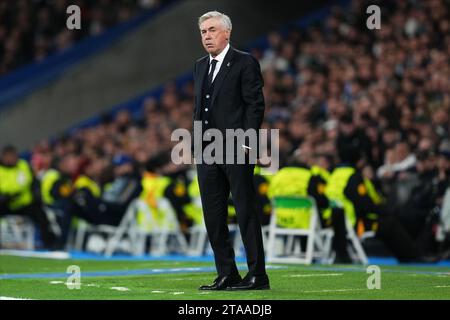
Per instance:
(220,57)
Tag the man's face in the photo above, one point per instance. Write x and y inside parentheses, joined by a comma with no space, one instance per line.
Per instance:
(9,159)
(214,36)
(347,128)
(69,165)
(122,170)
(95,168)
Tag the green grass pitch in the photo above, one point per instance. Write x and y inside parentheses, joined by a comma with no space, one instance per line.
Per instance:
(288,282)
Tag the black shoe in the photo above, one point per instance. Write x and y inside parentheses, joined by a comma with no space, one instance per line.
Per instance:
(222,282)
(252,283)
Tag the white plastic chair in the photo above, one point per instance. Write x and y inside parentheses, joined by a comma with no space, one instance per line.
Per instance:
(355,248)
(114,234)
(318,240)
(166,230)
(17,231)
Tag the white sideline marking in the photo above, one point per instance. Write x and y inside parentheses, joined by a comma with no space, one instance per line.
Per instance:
(442,286)
(32,254)
(333,290)
(157,291)
(61,282)
(314,275)
(120,288)
(66,283)
(12,298)
(175,293)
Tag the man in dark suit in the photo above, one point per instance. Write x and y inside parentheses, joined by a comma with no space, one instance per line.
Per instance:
(228,95)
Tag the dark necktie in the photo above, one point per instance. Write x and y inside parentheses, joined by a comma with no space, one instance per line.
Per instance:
(211,73)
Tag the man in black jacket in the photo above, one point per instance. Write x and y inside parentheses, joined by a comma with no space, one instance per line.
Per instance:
(228,95)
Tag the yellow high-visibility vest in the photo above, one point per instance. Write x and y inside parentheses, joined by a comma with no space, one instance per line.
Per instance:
(321,172)
(17,181)
(153,187)
(84,182)
(48,180)
(335,191)
(194,209)
(291,181)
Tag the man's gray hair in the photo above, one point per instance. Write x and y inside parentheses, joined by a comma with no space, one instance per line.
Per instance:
(226,21)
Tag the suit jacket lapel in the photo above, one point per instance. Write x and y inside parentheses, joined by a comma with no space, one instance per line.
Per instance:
(224,69)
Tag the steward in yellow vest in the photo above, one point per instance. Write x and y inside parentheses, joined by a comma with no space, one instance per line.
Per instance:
(161,180)
(57,191)
(299,180)
(17,193)
(348,190)
(91,184)
(16,181)
(87,196)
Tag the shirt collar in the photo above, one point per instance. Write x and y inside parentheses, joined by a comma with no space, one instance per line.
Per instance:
(221,55)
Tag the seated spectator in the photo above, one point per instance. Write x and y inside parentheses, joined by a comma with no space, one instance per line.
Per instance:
(56,192)
(401,160)
(18,193)
(110,207)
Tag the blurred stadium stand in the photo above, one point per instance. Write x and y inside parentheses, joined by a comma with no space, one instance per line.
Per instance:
(37,50)
(133,63)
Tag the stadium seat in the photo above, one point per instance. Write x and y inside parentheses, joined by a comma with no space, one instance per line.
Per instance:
(16,232)
(199,244)
(114,234)
(318,240)
(355,248)
(162,226)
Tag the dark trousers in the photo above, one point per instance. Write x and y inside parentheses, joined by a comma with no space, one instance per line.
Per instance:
(215,182)
(340,233)
(397,239)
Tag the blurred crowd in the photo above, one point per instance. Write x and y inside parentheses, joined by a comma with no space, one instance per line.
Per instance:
(30,30)
(384,94)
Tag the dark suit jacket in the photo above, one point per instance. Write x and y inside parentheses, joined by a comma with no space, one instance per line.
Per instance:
(237,101)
